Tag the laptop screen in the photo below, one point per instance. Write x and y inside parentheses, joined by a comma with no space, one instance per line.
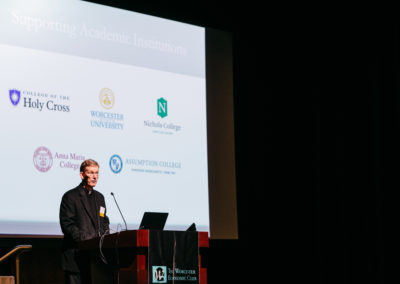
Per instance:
(153,220)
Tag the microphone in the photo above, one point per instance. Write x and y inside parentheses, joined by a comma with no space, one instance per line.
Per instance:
(126,227)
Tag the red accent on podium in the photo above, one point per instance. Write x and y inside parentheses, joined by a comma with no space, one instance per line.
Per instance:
(133,252)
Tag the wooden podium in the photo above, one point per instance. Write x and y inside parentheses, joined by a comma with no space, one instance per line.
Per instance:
(129,250)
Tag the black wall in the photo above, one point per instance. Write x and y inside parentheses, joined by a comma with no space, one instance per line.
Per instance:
(317,144)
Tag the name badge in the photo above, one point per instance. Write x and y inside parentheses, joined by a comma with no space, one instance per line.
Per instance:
(102,211)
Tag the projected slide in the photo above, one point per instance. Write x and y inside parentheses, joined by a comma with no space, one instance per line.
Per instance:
(80,81)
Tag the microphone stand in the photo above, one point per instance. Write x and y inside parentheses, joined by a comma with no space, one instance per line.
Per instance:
(126,227)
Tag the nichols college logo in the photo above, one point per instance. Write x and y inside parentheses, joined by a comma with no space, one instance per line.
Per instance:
(15,96)
(115,164)
(42,159)
(159,274)
(106,98)
(162,109)
(163,127)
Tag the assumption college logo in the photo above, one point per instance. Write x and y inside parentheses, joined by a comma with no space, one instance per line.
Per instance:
(115,164)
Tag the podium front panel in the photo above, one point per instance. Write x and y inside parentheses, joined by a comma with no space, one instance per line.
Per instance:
(127,254)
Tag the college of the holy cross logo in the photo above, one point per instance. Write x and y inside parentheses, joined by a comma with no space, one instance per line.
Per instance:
(15,96)
(162,107)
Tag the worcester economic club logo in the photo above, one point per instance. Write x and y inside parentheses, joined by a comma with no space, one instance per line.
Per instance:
(159,274)
(115,164)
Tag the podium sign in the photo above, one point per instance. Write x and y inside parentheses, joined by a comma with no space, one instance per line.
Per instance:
(147,257)
(173,257)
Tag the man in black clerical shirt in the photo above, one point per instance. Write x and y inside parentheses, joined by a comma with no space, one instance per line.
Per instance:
(82,217)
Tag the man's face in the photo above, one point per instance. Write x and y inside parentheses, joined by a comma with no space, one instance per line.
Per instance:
(90,176)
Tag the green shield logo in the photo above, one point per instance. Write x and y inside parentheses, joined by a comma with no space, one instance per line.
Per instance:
(162,107)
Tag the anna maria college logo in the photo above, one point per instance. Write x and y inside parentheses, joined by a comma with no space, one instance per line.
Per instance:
(42,159)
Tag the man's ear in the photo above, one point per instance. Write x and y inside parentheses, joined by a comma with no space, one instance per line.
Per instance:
(81,174)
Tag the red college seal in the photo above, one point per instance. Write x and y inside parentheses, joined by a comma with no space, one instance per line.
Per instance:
(42,159)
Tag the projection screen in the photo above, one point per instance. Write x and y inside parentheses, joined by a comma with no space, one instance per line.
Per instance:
(81,80)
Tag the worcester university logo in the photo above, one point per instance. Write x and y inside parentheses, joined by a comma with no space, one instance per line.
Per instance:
(106,98)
